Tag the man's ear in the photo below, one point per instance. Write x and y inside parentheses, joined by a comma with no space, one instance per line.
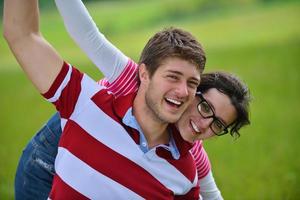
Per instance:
(143,73)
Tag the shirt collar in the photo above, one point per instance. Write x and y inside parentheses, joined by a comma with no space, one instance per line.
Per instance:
(182,145)
(130,121)
(123,109)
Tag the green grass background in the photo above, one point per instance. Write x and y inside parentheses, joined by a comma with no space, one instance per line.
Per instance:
(258,41)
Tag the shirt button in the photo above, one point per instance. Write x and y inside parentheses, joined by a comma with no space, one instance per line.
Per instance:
(144,144)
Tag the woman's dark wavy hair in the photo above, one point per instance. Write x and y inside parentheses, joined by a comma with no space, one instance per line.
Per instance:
(236,90)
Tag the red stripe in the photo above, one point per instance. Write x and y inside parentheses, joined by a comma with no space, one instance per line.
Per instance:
(201,159)
(185,164)
(193,194)
(202,172)
(60,190)
(57,82)
(131,67)
(131,86)
(103,82)
(126,80)
(70,94)
(112,164)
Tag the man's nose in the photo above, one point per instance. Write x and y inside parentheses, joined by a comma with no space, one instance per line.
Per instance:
(182,90)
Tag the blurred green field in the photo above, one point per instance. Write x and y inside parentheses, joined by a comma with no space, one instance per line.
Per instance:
(259,42)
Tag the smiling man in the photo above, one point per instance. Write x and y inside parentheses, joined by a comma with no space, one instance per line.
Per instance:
(101,132)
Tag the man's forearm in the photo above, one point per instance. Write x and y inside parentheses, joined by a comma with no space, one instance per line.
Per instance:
(21,30)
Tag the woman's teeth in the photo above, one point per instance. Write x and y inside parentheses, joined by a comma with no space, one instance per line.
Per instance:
(195,127)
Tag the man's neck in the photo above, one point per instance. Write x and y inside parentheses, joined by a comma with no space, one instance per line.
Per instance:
(154,129)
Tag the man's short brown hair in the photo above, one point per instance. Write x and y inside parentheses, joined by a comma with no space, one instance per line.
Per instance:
(172,42)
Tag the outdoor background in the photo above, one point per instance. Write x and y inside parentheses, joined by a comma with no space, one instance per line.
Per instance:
(257,40)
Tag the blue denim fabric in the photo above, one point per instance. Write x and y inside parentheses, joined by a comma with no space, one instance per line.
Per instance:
(36,166)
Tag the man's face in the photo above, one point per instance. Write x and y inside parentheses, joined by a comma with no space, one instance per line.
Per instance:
(171,89)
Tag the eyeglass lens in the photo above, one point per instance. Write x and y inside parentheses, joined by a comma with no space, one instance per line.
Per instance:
(206,111)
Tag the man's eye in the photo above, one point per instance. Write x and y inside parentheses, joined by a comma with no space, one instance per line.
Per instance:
(172,77)
(193,84)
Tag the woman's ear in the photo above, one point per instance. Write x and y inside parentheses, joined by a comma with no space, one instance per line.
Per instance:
(143,73)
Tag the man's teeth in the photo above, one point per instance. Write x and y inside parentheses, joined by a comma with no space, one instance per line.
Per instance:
(195,127)
(178,103)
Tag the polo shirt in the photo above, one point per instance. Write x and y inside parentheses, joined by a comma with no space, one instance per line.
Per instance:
(99,156)
(126,83)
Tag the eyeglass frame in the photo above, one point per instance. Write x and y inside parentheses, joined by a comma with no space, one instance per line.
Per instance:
(215,118)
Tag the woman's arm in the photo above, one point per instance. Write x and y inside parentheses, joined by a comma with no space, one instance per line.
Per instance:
(81,27)
(208,187)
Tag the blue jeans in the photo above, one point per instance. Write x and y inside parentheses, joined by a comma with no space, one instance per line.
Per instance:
(36,166)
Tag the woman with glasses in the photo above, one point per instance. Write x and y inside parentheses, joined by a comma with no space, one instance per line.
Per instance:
(221,103)
(220,106)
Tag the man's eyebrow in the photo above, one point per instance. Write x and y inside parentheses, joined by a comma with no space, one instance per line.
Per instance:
(174,72)
(212,106)
(180,73)
(196,80)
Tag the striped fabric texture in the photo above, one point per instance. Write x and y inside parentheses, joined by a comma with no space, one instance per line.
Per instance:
(97,157)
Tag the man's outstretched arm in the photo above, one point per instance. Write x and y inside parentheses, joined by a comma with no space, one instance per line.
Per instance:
(38,59)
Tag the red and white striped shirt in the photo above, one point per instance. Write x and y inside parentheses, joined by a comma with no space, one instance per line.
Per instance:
(126,83)
(97,157)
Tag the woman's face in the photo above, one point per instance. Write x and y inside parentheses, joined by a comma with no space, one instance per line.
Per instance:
(192,126)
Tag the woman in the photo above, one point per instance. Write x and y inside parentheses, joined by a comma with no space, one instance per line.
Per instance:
(221,103)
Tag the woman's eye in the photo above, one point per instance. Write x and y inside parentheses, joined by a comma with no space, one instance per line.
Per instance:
(218,125)
(206,108)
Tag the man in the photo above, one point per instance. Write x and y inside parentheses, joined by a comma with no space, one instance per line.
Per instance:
(96,140)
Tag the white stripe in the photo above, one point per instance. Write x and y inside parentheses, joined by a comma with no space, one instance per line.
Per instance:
(63,122)
(62,86)
(79,176)
(113,135)
(89,88)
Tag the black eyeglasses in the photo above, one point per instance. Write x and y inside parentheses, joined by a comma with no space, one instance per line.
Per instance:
(206,111)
